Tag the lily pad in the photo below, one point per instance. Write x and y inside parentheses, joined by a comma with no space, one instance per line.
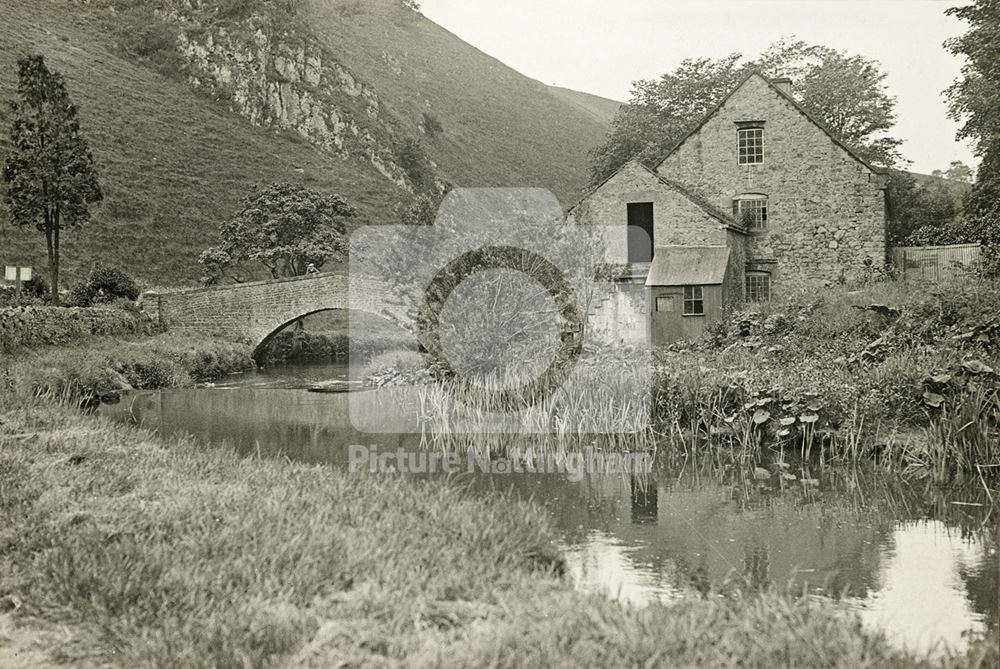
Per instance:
(760,417)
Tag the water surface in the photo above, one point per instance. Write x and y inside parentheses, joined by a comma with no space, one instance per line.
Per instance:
(916,561)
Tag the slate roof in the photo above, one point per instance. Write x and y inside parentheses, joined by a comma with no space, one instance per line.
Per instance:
(688,266)
(795,105)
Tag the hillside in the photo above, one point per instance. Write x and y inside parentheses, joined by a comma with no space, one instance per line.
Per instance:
(601,109)
(173,164)
(185,117)
(499,128)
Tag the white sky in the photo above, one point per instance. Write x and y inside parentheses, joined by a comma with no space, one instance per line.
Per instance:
(601,46)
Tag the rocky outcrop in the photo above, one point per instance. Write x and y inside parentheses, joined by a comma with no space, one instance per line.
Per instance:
(280,79)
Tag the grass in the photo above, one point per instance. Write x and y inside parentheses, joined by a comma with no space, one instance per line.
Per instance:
(101,368)
(146,553)
(533,135)
(173,164)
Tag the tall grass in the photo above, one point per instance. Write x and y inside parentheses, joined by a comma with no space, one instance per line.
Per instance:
(100,369)
(154,553)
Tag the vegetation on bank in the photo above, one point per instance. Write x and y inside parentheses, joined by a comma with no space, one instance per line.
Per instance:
(100,369)
(896,374)
(130,550)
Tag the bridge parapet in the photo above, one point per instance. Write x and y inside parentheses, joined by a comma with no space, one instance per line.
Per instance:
(256,310)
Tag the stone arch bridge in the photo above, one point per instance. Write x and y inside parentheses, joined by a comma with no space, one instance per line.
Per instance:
(257,311)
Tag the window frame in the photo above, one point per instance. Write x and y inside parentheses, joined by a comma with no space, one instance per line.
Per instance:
(757,274)
(693,305)
(750,143)
(672,298)
(762,207)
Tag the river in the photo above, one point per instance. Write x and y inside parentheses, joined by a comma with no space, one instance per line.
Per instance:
(912,559)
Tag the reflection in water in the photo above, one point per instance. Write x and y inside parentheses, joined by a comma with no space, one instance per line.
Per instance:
(922,593)
(675,532)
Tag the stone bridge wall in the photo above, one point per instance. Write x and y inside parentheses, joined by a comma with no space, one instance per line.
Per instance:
(255,311)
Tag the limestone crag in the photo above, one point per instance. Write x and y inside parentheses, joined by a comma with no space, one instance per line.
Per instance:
(286,80)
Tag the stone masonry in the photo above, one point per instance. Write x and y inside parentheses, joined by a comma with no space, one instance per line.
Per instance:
(826,207)
(677,219)
(255,311)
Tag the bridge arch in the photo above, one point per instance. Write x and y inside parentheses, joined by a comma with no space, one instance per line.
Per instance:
(256,311)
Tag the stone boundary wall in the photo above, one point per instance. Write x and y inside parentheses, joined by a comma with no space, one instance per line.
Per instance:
(30,327)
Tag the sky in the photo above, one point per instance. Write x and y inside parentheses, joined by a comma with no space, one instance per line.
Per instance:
(602,46)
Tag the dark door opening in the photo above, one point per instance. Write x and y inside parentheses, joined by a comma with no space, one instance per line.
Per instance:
(640,232)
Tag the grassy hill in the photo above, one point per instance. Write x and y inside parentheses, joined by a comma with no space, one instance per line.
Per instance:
(174,162)
(499,128)
(601,109)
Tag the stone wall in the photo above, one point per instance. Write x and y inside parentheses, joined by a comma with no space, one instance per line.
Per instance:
(29,327)
(826,210)
(254,311)
(618,315)
(677,221)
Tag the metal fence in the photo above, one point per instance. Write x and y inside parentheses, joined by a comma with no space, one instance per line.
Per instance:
(935,263)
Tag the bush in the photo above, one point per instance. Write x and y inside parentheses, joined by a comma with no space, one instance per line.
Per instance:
(104,284)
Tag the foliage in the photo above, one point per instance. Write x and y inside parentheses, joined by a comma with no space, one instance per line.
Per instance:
(285,228)
(104,284)
(974,99)
(98,369)
(50,174)
(846,93)
(411,156)
(933,208)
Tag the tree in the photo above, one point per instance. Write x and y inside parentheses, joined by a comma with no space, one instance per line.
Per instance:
(284,227)
(50,174)
(846,93)
(974,100)
(933,209)
(959,171)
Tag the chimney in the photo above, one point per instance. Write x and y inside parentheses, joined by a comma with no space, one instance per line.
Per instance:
(784,84)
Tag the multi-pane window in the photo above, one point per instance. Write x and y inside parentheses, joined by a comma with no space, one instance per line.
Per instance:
(751,145)
(665,303)
(694,301)
(758,287)
(751,211)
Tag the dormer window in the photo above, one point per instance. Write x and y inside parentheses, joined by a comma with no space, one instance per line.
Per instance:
(750,209)
(750,142)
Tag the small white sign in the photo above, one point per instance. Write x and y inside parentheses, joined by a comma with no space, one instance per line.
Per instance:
(10,273)
(25,274)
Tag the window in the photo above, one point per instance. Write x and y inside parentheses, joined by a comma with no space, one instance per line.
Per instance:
(751,145)
(751,210)
(758,287)
(640,232)
(665,304)
(694,301)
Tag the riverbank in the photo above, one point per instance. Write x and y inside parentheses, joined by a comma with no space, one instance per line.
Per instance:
(121,548)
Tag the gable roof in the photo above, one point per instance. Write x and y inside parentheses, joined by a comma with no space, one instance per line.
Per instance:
(715,212)
(788,98)
(688,266)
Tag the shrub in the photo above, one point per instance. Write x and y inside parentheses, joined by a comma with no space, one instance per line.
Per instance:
(104,284)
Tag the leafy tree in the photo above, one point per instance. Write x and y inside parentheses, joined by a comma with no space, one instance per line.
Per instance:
(846,93)
(285,228)
(959,171)
(933,208)
(50,174)
(974,100)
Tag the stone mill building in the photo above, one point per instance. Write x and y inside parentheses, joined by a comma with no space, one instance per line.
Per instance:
(759,200)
